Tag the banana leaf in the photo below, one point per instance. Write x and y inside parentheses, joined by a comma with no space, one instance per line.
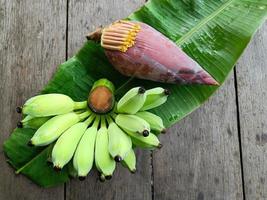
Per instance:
(213,32)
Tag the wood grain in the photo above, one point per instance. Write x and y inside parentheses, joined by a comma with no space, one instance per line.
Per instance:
(201,154)
(85,16)
(252,88)
(32,43)
(200,158)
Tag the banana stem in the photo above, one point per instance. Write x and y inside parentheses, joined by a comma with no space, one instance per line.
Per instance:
(109,119)
(80,105)
(101,99)
(96,122)
(84,115)
(90,119)
(103,121)
(79,111)
(113,115)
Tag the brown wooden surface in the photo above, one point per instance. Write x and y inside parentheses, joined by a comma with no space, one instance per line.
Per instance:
(32,43)
(252,101)
(201,160)
(223,159)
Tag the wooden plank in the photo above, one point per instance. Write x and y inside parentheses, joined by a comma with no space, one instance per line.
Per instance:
(200,158)
(32,43)
(252,87)
(85,16)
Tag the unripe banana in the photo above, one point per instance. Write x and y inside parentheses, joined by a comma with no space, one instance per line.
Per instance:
(133,123)
(51,104)
(130,161)
(132,101)
(155,122)
(84,155)
(27,118)
(54,127)
(32,122)
(149,142)
(66,144)
(119,142)
(155,97)
(103,161)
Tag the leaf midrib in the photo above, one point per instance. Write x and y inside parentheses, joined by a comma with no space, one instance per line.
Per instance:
(203,22)
(31,161)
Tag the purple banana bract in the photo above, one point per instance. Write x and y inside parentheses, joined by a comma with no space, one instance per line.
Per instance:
(136,49)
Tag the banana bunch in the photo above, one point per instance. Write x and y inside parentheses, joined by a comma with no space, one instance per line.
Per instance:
(82,135)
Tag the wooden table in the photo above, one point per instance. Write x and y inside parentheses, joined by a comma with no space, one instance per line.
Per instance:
(218,152)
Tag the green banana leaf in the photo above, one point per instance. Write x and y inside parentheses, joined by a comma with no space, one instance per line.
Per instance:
(213,32)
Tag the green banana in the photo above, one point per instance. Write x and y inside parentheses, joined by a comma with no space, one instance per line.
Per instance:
(54,127)
(155,97)
(119,142)
(66,145)
(130,161)
(27,118)
(84,155)
(32,122)
(150,142)
(103,161)
(155,122)
(51,104)
(133,123)
(132,101)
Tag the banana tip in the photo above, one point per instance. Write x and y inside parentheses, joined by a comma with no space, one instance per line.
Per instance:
(20,125)
(167,92)
(118,158)
(30,144)
(164,131)
(160,146)
(108,177)
(102,178)
(141,90)
(19,109)
(133,171)
(81,178)
(145,133)
(57,168)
